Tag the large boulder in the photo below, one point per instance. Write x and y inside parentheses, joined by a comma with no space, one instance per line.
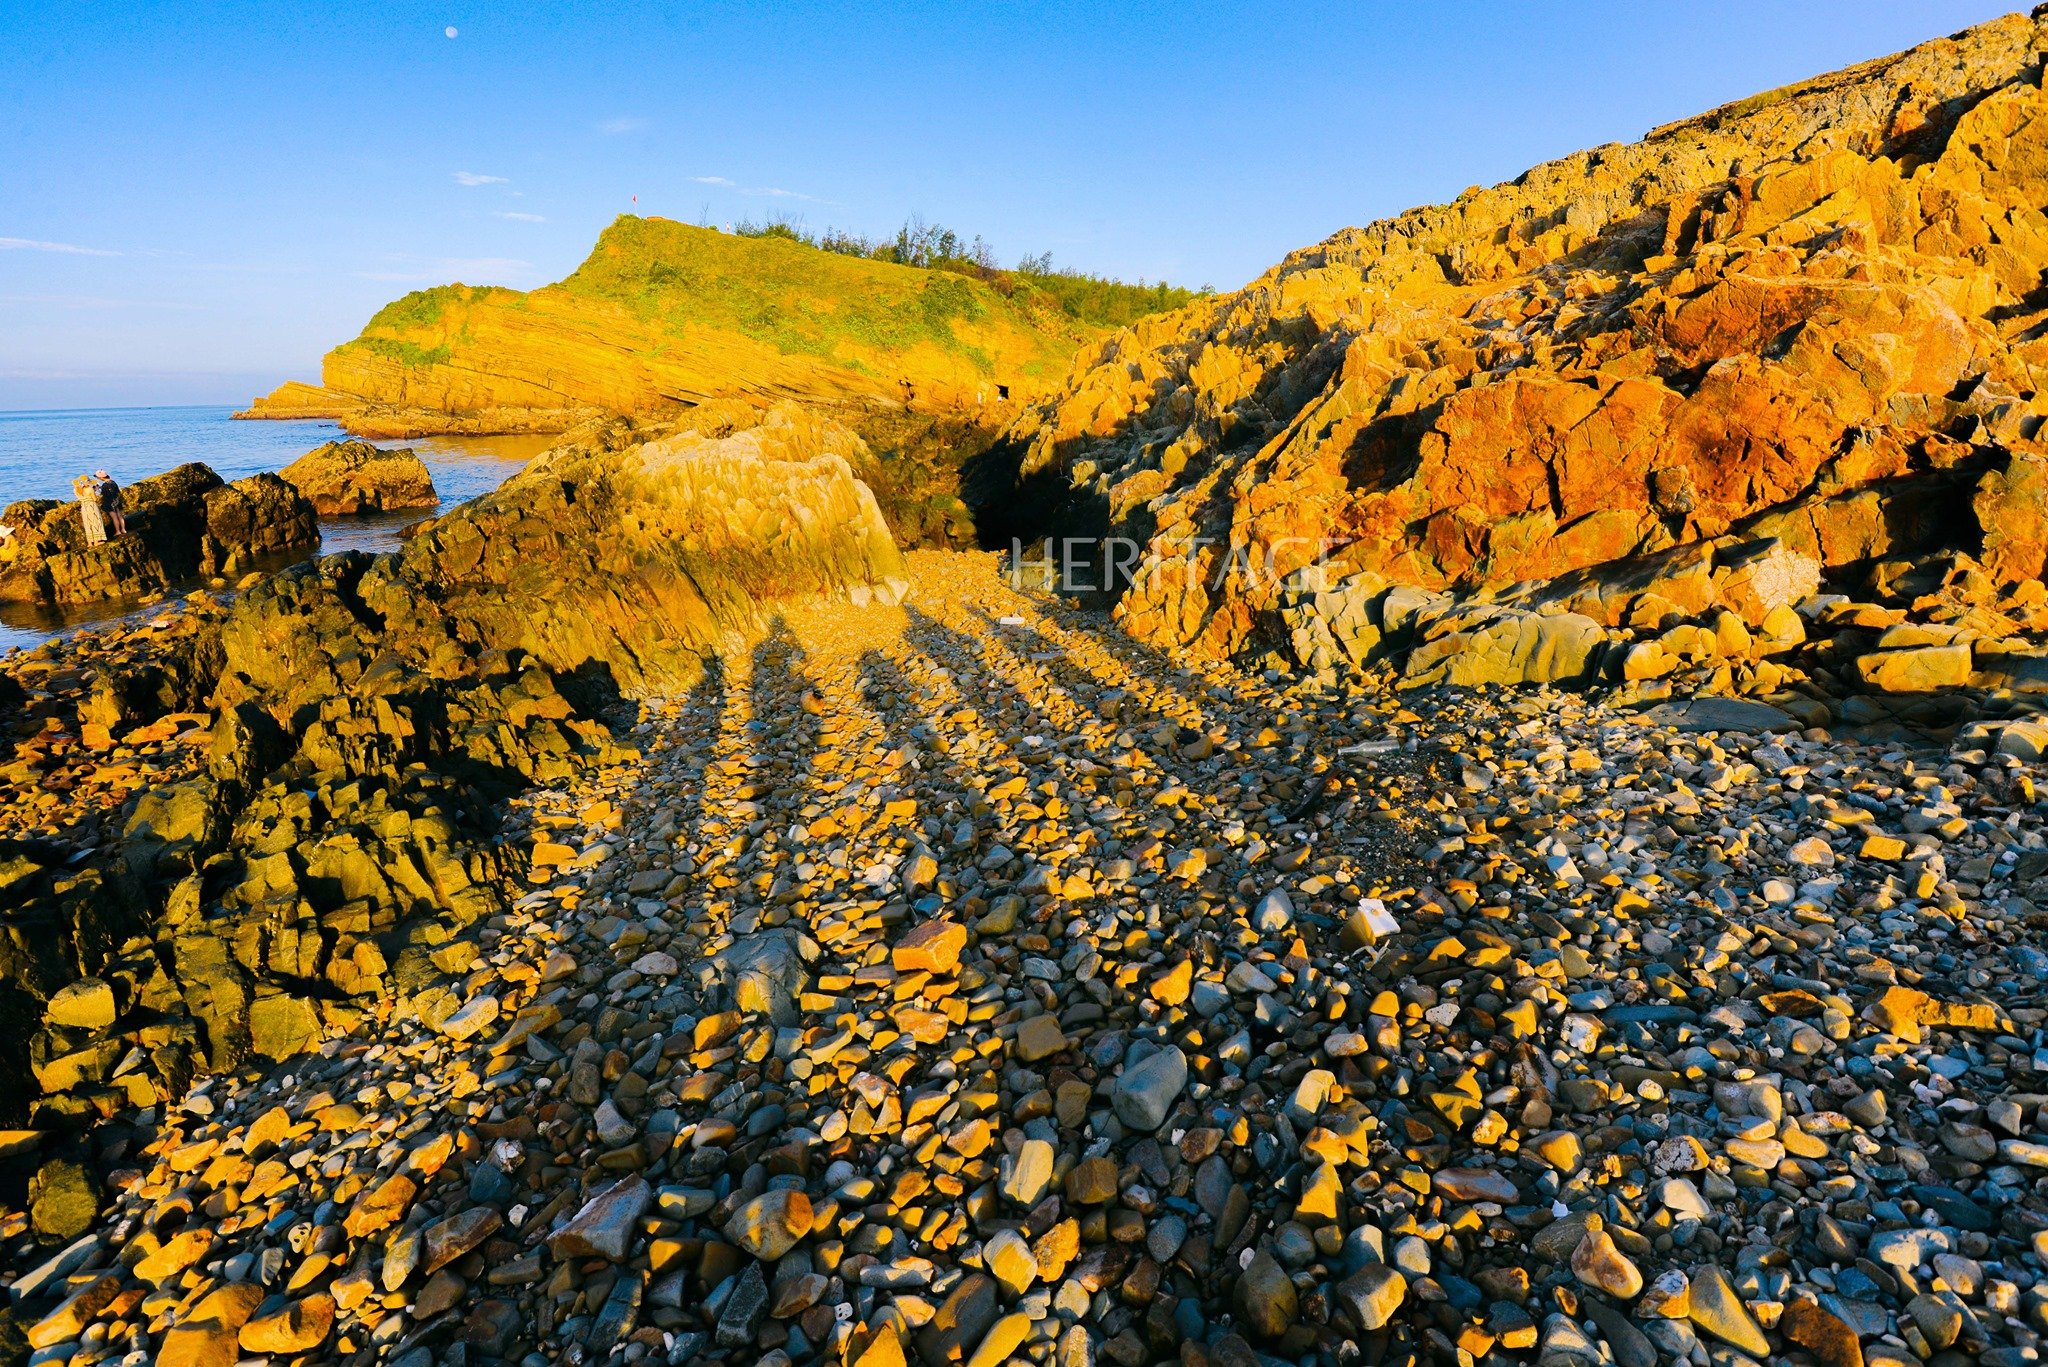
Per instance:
(626,554)
(1918,669)
(182,524)
(346,478)
(252,520)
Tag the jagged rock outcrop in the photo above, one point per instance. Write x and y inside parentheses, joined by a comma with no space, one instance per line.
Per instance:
(664,314)
(637,550)
(313,855)
(182,524)
(1811,320)
(347,478)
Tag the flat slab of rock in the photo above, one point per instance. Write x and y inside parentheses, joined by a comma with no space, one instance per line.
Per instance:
(607,1225)
(1721,714)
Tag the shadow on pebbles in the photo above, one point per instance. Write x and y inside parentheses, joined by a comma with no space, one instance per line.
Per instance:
(961,983)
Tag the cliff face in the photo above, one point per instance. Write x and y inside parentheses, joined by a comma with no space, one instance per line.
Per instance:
(325,825)
(663,314)
(1814,315)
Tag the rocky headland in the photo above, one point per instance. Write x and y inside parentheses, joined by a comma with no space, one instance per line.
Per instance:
(1568,891)
(664,315)
(1753,402)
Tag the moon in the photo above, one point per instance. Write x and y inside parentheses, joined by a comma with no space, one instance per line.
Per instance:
(450,30)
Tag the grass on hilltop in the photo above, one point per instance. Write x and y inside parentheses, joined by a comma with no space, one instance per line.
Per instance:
(781,293)
(858,303)
(1091,300)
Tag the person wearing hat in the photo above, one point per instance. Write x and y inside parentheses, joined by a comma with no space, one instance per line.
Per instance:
(110,501)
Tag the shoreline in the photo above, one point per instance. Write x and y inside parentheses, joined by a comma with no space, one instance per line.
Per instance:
(462,468)
(378,421)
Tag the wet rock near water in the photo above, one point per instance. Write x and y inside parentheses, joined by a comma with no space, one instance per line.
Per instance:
(349,478)
(184,524)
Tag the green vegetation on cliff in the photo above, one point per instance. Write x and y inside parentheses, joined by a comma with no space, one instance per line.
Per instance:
(1093,300)
(776,290)
(663,313)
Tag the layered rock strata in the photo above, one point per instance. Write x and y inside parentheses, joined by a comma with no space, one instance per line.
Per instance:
(664,315)
(349,478)
(1811,318)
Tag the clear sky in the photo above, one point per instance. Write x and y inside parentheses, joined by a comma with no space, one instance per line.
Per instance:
(197,200)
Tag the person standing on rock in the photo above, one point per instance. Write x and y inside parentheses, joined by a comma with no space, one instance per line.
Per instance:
(89,511)
(110,502)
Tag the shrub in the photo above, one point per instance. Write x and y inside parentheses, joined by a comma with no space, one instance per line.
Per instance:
(1095,300)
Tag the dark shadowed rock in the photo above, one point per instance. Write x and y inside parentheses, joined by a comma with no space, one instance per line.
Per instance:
(182,524)
(1721,714)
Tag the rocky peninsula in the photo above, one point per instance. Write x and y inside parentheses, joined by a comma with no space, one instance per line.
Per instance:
(664,313)
(1541,862)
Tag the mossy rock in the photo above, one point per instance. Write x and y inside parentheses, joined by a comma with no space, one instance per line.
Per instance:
(63,1199)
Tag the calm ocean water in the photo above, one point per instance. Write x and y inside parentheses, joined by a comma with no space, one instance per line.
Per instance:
(40,453)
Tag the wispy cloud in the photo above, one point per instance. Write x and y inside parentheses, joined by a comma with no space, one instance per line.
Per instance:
(29,244)
(472,178)
(42,373)
(624,124)
(764,191)
(441,270)
(248,267)
(521,218)
(89,303)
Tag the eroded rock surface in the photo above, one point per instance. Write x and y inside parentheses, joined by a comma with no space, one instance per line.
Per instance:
(1809,320)
(1112,1008)
(346,478)
(320,825)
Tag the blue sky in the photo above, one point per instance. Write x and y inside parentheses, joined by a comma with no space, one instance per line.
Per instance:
(196,201)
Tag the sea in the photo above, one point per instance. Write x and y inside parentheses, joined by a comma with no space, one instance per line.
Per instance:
(41,452)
